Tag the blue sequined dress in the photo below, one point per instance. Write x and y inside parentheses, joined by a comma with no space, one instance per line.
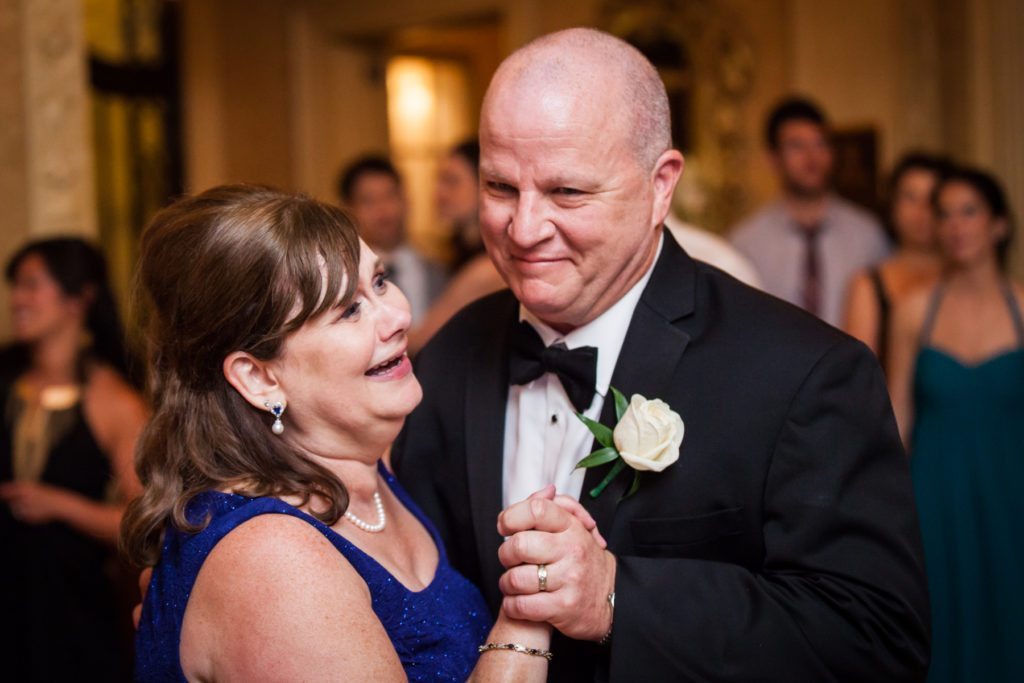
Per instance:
(435,631)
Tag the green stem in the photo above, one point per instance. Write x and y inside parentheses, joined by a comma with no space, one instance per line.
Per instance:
(619,465)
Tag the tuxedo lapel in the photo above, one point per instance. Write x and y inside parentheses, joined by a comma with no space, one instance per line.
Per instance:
(652,350)
(486,398)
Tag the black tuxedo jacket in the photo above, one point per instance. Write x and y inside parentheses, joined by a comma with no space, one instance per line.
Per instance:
(783,544)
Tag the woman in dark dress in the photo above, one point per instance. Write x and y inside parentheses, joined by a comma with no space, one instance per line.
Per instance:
(69,426)
(875,292)
(283,548)
(957,383)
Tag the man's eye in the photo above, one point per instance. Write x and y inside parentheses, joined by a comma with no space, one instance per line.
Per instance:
(568,191)
(503,188)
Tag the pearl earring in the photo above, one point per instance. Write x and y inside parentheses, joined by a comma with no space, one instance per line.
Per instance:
(277,410)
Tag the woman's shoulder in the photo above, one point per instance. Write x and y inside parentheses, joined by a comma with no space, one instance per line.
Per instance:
(910,311)
(269,595)
(277,543)
(113,407)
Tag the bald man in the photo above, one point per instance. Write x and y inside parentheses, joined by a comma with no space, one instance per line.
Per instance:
(782,545)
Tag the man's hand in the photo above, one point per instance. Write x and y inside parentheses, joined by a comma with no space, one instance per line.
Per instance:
(580,571)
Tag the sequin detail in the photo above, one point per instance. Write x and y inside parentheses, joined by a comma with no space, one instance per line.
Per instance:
(435,631)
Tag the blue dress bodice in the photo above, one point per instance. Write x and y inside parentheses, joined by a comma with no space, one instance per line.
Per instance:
(435,631)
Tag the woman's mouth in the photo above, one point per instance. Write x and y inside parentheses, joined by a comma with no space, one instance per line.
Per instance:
(395,368)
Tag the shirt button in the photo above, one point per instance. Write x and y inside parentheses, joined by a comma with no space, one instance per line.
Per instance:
(554,419)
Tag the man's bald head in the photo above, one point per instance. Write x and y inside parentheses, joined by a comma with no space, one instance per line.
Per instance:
(586,65)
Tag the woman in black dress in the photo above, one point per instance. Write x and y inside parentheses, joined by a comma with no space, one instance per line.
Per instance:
(69,425)
(915,264)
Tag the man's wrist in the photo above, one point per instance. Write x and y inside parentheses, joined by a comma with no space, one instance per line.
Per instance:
(609,603)
(607,637)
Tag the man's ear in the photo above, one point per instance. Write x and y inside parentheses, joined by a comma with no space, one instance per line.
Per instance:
(253,378)
(666,174)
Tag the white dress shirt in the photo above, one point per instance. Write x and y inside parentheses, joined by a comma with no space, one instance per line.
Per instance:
(543,437)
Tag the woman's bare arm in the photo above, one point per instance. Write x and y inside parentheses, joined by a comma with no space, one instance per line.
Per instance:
(861,319)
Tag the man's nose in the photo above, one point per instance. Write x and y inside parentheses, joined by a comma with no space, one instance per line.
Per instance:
(530,222)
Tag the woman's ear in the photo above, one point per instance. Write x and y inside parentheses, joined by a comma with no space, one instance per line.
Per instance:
(1002,229)
(253,378)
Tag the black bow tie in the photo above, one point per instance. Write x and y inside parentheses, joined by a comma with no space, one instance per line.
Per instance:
(575,368)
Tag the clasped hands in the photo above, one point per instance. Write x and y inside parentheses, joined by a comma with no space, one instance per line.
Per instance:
(558,568)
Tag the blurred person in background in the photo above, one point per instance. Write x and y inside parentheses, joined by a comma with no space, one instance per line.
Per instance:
(69,426)
(957,384)
(370,188)
(708,247)
(809,243)
(472,274)
(915,264)
(457,197)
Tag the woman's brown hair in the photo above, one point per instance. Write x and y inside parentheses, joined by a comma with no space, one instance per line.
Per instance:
(236,268)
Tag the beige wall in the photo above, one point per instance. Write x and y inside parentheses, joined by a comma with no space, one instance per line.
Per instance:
(237,93)
(867,63)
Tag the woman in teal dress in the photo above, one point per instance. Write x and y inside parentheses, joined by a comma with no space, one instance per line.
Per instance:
(958,390)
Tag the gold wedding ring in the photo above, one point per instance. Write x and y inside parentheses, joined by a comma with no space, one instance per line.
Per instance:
(542,577)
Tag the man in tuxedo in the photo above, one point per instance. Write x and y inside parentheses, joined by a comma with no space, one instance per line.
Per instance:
(783,544)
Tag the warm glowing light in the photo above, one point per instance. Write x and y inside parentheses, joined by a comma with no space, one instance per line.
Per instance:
(412,105)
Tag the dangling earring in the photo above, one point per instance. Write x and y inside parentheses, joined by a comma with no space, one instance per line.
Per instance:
(277,410)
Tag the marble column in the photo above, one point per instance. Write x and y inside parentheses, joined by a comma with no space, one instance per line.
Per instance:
(46,168)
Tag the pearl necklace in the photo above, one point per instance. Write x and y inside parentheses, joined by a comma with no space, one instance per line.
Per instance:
(382,519)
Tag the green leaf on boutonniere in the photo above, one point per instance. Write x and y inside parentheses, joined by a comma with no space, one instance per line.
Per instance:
(598,458)
(619,465)
(635,485)
(621,403)
(602,433)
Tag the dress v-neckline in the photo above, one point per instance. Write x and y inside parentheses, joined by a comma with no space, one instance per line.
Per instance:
(975,365)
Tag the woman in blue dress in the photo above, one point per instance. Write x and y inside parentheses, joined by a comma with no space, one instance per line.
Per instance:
(958,389)
(283,548)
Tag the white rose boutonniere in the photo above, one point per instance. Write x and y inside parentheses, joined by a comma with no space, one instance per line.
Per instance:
(646,438)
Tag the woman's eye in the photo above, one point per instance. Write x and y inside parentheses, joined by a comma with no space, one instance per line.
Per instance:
(351,311)
(380,282)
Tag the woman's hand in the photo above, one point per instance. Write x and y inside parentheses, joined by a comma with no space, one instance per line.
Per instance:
(575,508)
(35,503)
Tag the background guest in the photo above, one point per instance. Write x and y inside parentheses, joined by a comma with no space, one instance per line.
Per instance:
(371,190)
(957,383)
(473,274)
(457,196)
(68,431)
(708,247)
(808,244)
(915,264)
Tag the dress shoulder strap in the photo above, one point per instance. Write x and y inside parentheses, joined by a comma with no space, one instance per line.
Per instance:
(929,318)
(1015,313)
(884,313)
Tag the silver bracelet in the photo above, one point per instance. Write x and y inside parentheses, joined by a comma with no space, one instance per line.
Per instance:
(516,647)
(606,638)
